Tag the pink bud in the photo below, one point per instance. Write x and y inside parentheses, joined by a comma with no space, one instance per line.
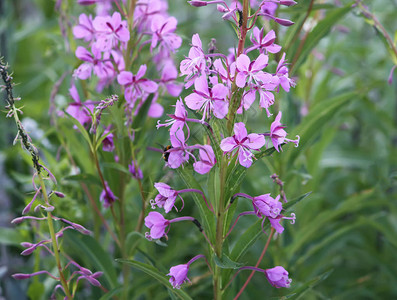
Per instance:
(21,276)
(221,8)
(287,2)
(284,22)
(59,194)
(197,3)
(17,220)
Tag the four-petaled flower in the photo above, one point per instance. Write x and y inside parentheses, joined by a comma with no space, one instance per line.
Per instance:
(178,275)
(208,99)
(163,31)
(207,160)
(110,30)
(244,143)
(264,43)
(278,277)
(278,134)
(166,197)
(135,85)
(250,70)
(157,225)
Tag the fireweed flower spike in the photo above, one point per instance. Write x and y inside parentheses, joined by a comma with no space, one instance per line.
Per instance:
(158,224)
(243,143)
(179,273)
(277,134)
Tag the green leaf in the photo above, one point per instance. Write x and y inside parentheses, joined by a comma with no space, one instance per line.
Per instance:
(207,218)
(301,290)
(321,30)
(82,130)
(87,178)
(156,274)
(116,166)
(112,293)
(318,118)
(92,253)
(226,263)
(10,236)
(36,290)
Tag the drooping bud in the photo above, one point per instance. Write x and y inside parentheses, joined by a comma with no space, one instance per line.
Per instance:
(284,22)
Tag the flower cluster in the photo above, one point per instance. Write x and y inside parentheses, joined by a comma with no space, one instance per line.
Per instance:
(221,88)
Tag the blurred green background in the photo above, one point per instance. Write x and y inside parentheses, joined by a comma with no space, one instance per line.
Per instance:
(344,243)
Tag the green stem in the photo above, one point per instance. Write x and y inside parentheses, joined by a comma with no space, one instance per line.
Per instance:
(54,242)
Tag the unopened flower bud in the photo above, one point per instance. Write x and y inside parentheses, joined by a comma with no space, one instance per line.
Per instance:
(221,8)
(287,2)
(284,22)
(59,194)
(21,276)
(197,3)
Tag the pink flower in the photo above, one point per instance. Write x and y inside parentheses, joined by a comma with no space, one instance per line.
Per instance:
(135,171)
(169,75)
(157,225)
(110,30)
(208,99)
(243,144)
(163,31)
(107,196)
(166,197)
(178,119)
(207,160)
(195,64)
(178,275)
(265,205)
(178,154)
(93,62)
(84,30)
(282,73)
(278,277)
(135,85)
(250,70)
(264,43)
(78,110)
(278,134)
(107,143)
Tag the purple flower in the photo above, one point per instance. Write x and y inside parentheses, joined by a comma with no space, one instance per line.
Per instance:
(282,73)
(135,171)
(110,30)
(102,68)
(207,160)
(107,143)
(157,225)
(243,143)
(178,154)
(208,99)
(78,110)
(265,205)
(107,196)
(264,43)
(135,85)
(168,79)
(163,31)
(250,70)
(84,30)
(278,277)
(195,64)
(269,8)
(178,275)
(178,119)
(166,197)
(278,134)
